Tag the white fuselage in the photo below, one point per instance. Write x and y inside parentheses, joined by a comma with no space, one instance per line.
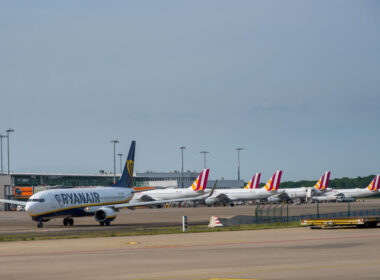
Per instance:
(243,194)
(78,202)
(295,192)
(166,194)
(354,193)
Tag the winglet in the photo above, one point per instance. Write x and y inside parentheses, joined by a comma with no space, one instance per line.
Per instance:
(274,182)
(374,185)
(126,178)
(212,189)
(323,183)
(254,183)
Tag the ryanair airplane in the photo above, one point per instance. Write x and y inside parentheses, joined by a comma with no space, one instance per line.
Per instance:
(100,202)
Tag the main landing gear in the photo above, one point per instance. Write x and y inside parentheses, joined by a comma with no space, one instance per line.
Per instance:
(68,221)
(107,223)
(40,224)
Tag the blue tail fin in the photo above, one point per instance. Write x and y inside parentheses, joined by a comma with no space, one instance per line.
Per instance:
(125,180)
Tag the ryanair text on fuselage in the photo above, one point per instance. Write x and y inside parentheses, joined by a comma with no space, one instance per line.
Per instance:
(77,198)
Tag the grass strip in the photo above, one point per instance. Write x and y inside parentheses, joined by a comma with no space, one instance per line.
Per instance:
(139,232)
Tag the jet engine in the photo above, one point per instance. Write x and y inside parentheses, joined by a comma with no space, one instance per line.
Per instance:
(105,214)
(211,201)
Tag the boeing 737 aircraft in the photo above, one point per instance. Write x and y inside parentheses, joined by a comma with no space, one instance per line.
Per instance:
(371,189)
(294,193)
(250,192)
(196,189)
(100,202)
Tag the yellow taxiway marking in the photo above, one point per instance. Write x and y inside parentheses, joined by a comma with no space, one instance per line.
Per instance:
(133,243)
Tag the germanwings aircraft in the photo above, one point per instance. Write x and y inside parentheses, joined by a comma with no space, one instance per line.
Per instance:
(250,192)
(196,189)
(100,202)
(294,193)
(371,189)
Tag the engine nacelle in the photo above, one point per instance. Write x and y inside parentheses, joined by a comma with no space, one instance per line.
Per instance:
(274,198)
(211,201)
(105,214)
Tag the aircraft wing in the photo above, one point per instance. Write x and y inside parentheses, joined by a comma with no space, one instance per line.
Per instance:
(17,202)
(146,203)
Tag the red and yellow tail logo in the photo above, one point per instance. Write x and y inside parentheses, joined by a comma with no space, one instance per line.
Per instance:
(200,183)
(323,183)
(374,185)
(254,183)
(274,182)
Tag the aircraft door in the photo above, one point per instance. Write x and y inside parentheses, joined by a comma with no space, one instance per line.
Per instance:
(53,202)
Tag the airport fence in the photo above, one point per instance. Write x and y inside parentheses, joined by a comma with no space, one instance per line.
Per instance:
(281,214)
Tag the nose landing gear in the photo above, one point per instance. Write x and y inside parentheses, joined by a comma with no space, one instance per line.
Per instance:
(68,221)
(40,224)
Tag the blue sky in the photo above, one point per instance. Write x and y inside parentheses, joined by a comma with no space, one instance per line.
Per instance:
(296,83)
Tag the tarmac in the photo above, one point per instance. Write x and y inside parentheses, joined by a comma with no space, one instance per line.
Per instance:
(20,222)
(297,253)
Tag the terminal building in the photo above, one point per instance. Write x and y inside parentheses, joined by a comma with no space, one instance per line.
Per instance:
(21,186)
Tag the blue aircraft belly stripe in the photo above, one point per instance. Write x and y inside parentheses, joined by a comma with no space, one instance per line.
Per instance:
(79,206)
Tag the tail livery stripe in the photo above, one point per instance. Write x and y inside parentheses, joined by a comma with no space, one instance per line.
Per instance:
(326,180)
(204,179)
(274,182)
(195,184)
(277,180)
(323,182)
(201,182)
(374,185)
(254,182)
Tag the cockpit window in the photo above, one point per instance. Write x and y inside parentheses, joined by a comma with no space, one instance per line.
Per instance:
(36,200)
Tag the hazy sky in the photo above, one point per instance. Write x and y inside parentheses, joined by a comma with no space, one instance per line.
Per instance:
(296,83)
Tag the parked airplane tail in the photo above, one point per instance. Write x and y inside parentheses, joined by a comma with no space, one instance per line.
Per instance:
(274,182)
(374,185)
(200,183)
(254,183)
(125,180)
(323,183)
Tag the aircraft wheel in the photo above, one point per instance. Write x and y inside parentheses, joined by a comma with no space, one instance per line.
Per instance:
(65,221)
(40,225)
(107,223)
(101,223)
(71,221)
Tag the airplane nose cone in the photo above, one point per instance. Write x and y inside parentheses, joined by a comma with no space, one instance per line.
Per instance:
(30,207)
(27,207)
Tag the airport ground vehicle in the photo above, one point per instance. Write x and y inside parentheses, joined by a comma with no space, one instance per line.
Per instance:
(341,222)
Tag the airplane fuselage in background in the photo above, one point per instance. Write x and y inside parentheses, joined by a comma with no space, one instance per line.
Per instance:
(165,194)
(354,193)
(244,194)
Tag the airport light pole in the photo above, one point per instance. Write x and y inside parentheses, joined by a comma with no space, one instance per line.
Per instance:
(182,148)
(120,155)
(238,150)
(1,152)
(8,131)
(204,157)
(114,159)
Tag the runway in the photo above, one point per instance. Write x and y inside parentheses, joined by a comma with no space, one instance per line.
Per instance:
(298,253)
